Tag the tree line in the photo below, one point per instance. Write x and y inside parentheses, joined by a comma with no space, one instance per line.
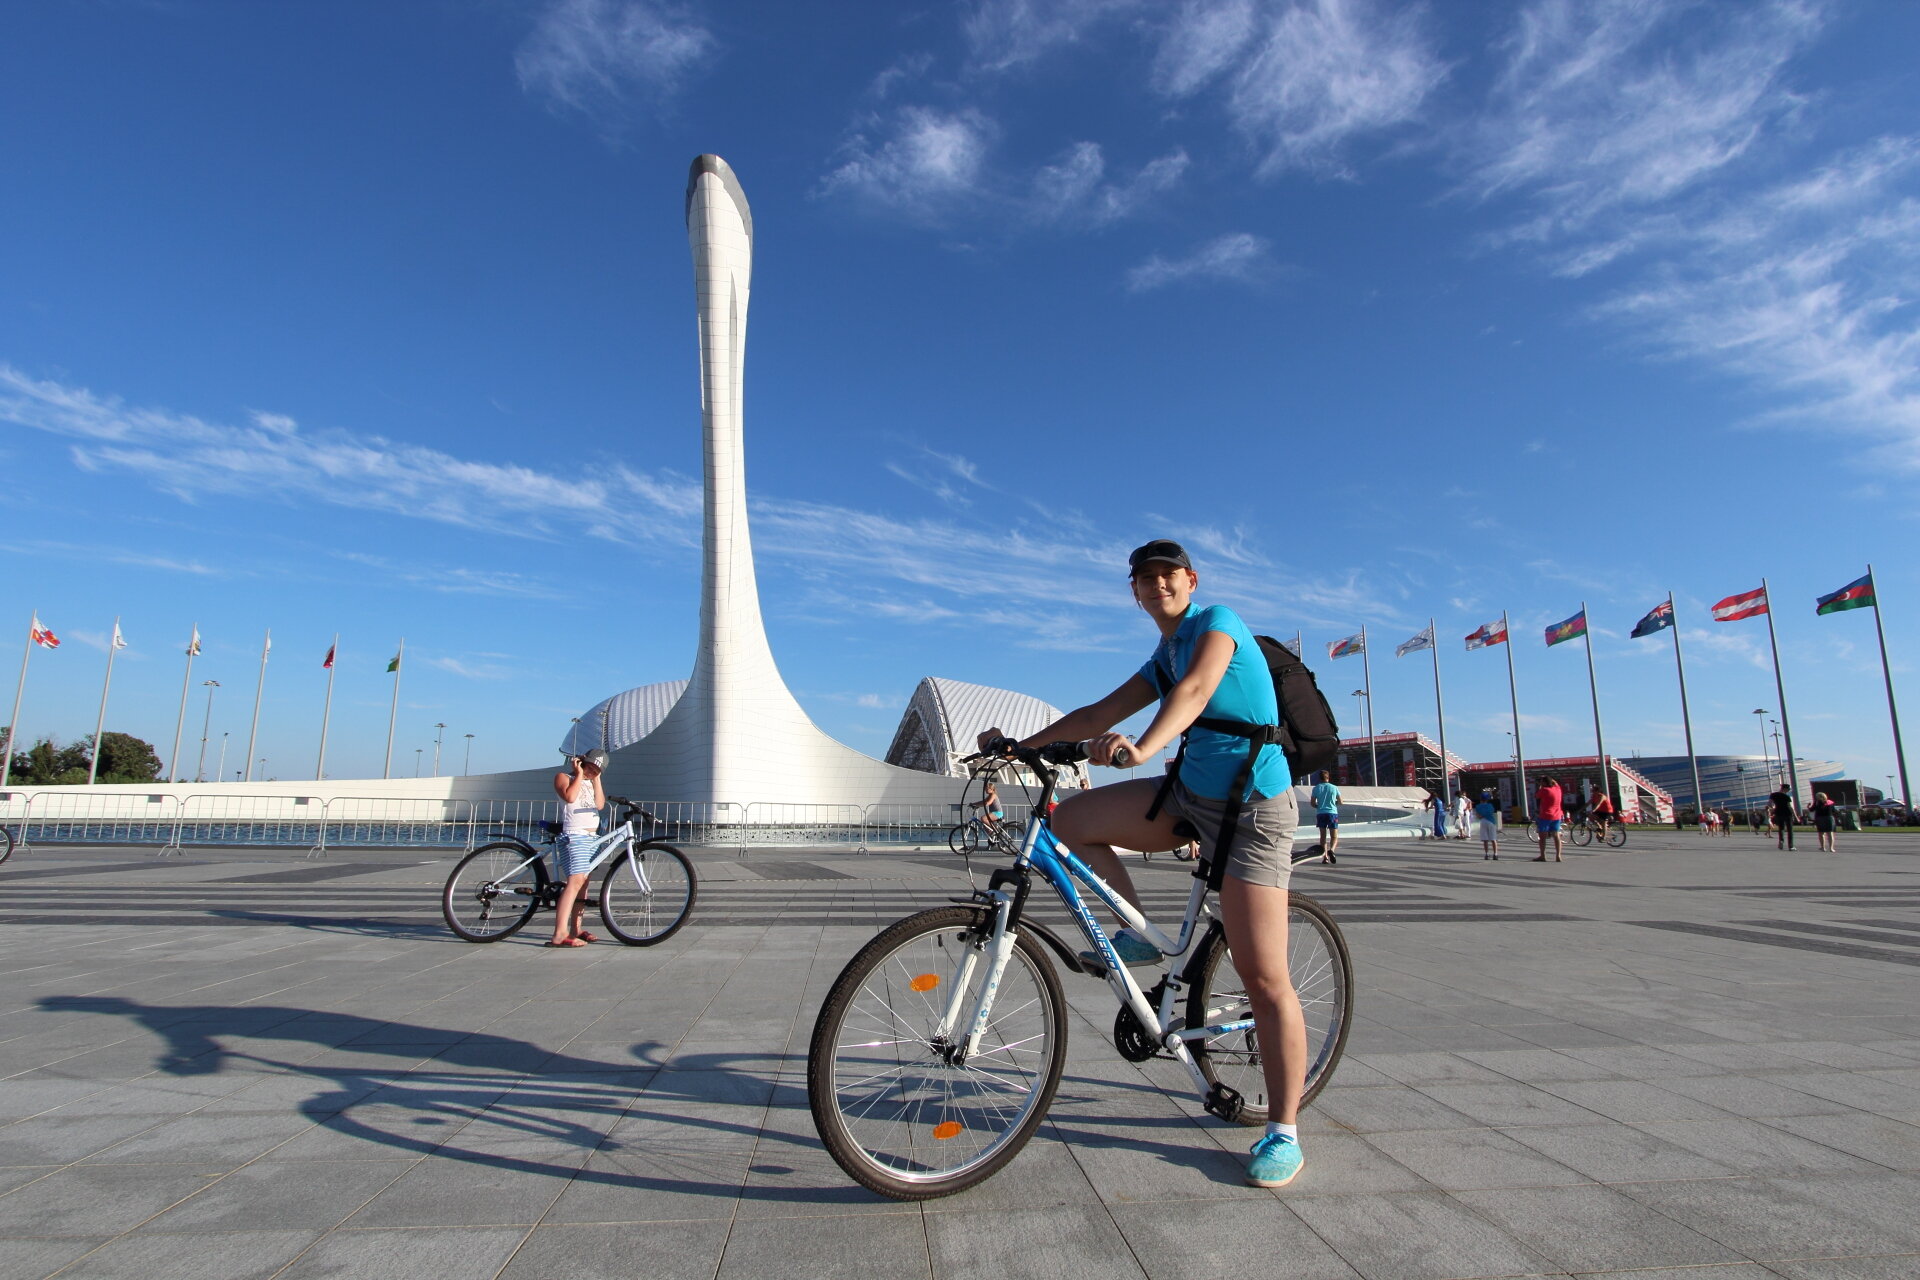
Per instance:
(123,758)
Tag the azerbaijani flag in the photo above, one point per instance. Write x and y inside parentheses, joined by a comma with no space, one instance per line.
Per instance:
(327,664)
(1857,594)
(41,636)
(1488,633)
(1356,643)
(1659,619)
(1570,629)
(1748,604)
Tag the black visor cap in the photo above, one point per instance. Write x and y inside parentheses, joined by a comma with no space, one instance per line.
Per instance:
(1162,549)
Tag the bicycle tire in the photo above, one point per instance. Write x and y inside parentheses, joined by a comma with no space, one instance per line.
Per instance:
(957,840)
(645,919)
(471,899)
(887,1104)
(1581,834)
(1616,835)
(1322,974)
(6,844)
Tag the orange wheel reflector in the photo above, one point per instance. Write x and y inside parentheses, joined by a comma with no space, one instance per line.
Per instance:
(950,1129)
(925,982)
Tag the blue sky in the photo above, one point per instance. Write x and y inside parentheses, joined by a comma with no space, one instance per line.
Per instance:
(377,319)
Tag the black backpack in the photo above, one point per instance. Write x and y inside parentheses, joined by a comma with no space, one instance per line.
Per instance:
(1307,735)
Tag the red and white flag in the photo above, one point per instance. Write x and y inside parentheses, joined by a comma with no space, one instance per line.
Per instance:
(1748,604)
(328,664)
(1488,633)
(41,636)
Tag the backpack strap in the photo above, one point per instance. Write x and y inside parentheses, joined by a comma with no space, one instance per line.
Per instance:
(1164,683)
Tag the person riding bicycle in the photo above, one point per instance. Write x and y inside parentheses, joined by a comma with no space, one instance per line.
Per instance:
(1215,670)
(581,792)
(991,814)
(1599,813)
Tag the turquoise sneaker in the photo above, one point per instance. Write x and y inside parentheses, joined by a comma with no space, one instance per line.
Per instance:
(1276,1161)
(1129,946)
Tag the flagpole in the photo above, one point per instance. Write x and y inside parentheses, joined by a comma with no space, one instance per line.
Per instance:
(180,725)
(1593,687)
(1519,752)
(100,724)
(266,647)
(394,713)
(1686,715)
(13,721)
(1299,644)
(1893,710)
(326,713)
(1366,670)
(1440,711)
(1780,687)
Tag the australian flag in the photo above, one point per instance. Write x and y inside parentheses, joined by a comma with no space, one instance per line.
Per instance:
(1659,619)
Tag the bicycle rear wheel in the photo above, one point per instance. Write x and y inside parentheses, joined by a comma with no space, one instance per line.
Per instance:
(6,844)
(1582,834)
(1616,835)
(1322,975)
(493,891)
(648,893)
(891,1103)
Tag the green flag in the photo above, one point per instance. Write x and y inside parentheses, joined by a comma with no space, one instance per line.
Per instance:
(1857,594)
(395,664)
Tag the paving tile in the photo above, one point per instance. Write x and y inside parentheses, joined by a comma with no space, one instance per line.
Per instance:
(1751,1146)
(1618,1153)
(62,1139)
(23,1258)
(1892,1143)
(627,1186)
(1763,1220)
(92,1199)
(867,1247)
(319,1195)
(197,1139)
(1631,1101)
(1886,1267)
(1885,1200)
(1427,1068)
(667,1251)
(1534,1066)
(449,1253)
(218,1255)
(1339,1164)
(1735,1271)
(1509,1103)
(1855,1089)
(1389,1110)
(1455,1160)
(447,1193)
(1076,1242)
(1210,1239)
(1415,1236)
(1752,1096)
(1591,1228)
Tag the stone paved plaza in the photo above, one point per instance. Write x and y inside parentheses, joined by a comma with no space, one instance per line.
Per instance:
(1690,1058)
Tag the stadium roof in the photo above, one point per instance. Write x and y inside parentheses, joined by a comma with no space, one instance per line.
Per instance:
(623,719)
(944,717)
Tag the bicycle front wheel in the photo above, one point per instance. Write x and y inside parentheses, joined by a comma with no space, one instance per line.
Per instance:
(897,1106)
(6,844)
(1322,975)
(957,840)
(1581,834)
(1616,835)
(493,891)
(647,894)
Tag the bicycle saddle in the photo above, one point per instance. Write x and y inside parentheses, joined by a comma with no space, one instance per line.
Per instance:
(551,828)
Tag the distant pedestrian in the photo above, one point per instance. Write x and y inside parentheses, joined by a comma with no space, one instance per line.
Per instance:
(1488,814)
(1704,820)
(1549,811)
(1824,825)
(1780,808)
(1326,816)
(1439,807)
(1462,811)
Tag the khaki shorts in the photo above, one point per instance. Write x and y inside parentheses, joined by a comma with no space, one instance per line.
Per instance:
(1262,850)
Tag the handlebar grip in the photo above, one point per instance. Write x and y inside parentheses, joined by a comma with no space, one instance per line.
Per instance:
(1123,759)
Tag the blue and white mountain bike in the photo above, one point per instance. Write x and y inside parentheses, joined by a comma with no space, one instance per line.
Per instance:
(940,1045)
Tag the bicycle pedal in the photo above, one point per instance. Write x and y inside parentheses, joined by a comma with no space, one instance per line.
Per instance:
(1225,1102)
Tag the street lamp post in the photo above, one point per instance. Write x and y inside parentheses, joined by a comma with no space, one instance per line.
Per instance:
(263,769)
(1778,752)
(200,769)
(439,731)
(1765,759)
(466,766)
(220,770)
(1746,803)
(417,751)
(1360,714)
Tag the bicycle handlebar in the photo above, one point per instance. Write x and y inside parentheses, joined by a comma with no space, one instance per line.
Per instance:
(1051,753)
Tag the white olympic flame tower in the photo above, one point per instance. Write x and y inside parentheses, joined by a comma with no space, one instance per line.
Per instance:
(737,735)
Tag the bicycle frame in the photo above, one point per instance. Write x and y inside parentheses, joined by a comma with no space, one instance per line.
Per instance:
(622,836)
(1041,852)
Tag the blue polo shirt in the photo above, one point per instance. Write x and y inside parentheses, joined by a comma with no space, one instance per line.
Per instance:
(1326,798)
(1245,693)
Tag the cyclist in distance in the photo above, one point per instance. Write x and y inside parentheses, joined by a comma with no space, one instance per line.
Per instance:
(1215,670)
(583,796)
(989,806)
(1600,813)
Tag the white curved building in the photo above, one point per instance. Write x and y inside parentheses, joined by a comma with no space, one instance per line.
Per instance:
(945,718)
(623,719)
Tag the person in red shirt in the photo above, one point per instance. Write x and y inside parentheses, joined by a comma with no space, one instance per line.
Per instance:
(1600,813)
(1549,811)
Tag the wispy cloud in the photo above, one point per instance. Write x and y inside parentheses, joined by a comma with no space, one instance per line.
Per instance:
(937,569)
(1076,189)
(469,668)
(601,57)
(1008,33)
(919,161)
(1302,79)
(456,579)
(109,555)
(1239,257)
(947,476)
